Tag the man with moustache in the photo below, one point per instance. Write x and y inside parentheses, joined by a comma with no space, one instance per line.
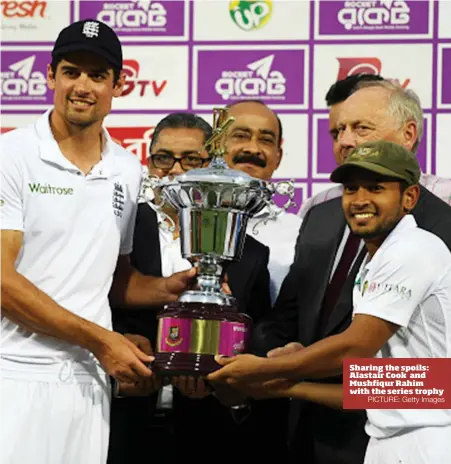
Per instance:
(402,309)
(254,146)
(315,300)
(176,148)
(335,98)
(69,198)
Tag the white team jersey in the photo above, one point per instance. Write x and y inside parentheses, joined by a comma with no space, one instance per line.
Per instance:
(74,228)
(408,283)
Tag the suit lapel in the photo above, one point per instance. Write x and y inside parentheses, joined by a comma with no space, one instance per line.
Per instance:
(147,240)
(327,224)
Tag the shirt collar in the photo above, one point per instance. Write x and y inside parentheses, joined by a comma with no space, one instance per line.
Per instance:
(406,223)
(50,152)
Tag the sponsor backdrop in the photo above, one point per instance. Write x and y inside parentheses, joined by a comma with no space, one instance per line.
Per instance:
(195,55)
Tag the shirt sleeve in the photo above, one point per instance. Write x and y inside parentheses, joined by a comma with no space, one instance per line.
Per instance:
(397,285)
(134,190)
(11,194)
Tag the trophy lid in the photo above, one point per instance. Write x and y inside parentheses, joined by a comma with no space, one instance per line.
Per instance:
(219,173)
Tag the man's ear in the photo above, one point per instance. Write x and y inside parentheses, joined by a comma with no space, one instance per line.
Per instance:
(410,134)
(50,78)
(119,85)
(410,197)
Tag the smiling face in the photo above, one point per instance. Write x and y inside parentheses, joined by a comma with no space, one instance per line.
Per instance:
(84,88)
(373,205)
(253,140)
(364,117)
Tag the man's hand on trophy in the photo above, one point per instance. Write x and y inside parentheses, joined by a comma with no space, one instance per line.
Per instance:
(289,348)
(192,387)
(243,368)
(121,358)
(225,285)
(144,387)
(178,283)
(141,342)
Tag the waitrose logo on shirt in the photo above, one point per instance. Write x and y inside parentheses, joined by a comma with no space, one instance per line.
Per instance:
(48,189)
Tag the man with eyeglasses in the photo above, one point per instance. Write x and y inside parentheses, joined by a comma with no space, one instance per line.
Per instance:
(176,148)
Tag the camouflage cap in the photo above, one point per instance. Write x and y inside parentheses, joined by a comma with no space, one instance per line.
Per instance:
(385,158)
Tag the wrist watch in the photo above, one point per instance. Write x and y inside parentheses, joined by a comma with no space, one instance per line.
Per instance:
(238,407)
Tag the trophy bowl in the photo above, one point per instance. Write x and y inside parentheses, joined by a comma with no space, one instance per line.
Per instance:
(214,205)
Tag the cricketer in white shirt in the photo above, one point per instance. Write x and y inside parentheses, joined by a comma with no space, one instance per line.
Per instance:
(412,289)
(74,228)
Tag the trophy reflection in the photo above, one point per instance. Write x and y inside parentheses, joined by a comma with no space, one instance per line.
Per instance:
(214,205)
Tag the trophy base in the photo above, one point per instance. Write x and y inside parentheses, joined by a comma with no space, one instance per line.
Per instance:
(189,364)
(191,334)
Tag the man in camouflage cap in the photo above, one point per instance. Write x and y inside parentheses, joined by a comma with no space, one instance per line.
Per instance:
(385,158)
(401,309)
(380,182)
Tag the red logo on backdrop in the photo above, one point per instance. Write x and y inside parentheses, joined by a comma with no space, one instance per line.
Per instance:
(134,84)
(397,383)
(352,66)
(23,9)
(134,139)
(3,130)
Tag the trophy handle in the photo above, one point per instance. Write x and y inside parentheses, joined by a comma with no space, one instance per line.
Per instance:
(285,187)
(147,195)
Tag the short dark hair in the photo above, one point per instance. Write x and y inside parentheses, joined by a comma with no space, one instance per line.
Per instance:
(56,61)
(342,89)
(181,121)
(260,102)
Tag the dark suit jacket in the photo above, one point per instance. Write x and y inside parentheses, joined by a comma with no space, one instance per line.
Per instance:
(131,417)
(324,435)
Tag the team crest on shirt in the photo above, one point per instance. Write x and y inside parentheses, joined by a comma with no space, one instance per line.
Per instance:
(174,338)
(118,199)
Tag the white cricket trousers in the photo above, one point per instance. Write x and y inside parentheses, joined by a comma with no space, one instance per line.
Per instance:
(53,414)
(426,445)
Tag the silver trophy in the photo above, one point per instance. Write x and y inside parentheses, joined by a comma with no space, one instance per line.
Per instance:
(214,205)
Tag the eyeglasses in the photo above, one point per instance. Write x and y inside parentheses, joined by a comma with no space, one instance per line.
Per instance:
(188,162)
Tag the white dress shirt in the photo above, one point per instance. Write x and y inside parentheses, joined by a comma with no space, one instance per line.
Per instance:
(278,230)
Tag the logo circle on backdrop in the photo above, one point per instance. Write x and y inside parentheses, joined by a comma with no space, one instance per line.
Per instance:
(250,15)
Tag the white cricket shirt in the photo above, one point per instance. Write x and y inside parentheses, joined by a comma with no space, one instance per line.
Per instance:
(408,283)
(74,228)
